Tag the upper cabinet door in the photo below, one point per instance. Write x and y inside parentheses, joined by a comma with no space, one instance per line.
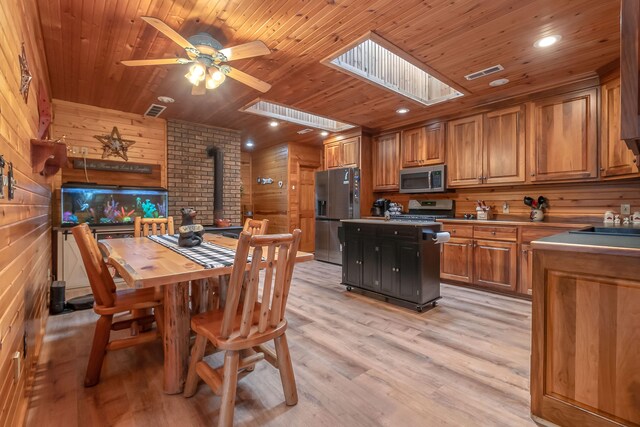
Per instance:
(615,157)
(350,152)
(332,154)
(386,162)
(423,146)
(564,142)
(464,151)
(503,157)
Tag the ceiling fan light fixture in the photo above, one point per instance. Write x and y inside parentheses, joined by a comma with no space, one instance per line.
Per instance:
(196,74)
(215,79)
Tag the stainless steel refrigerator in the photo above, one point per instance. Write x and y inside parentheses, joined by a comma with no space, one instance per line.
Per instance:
(337,197)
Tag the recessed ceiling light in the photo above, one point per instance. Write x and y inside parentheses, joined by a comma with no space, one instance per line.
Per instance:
(402,110)
(498,82)
(273,124)
(324,133)
(547,41)
(166,99)
(249,144)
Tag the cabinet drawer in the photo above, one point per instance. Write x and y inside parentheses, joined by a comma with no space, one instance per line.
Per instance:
(360,230)
(496,233)
(457,230)
(530,234)
(400,231)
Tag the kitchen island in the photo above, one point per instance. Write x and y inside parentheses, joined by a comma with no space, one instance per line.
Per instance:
(585,363)
(395,261)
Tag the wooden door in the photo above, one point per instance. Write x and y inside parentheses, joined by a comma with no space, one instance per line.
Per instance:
(353,265)
(503,159)
(495,264)
(615,157)
(388,275)
(526,273)
(564,139)
(370,264)
(464,151)
(456,260)
(332,155)
(408,272)
(350,152)
(386,162)
(413,147)
(306,208)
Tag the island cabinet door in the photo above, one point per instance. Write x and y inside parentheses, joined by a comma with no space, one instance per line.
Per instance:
(371,264)
(388,267)
(456,260)
(352,269)
(495,264)
(408,273)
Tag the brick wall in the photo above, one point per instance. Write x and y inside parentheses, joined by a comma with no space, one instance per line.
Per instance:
(190,172)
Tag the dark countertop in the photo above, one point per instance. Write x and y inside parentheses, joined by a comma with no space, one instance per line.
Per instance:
(523,222)
(381,221)
(623,245)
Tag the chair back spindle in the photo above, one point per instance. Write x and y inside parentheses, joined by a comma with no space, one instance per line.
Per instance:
(275,290)
(100,279)
(143,227)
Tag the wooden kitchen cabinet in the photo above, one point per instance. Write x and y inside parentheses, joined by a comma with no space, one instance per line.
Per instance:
(423,146)
(386,162)
(564,143)
(615,157)
(456,260)
(525,276)
(495,264)
(503,151)
(342,154)
(464,152)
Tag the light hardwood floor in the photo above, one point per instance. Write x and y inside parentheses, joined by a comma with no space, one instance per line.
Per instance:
(358,362)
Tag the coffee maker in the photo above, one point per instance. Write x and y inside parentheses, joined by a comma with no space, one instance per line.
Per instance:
(379,207)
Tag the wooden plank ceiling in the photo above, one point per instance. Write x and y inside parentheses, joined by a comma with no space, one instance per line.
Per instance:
(86,39)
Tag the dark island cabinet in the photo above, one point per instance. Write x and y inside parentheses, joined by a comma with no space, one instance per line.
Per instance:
(397,263)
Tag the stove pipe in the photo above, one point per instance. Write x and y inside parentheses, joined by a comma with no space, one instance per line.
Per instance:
(218,168)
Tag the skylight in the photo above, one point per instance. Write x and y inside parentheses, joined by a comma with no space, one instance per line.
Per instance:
(383,64)
(299,117)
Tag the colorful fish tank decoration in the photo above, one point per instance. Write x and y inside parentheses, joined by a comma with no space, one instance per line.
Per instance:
(110,205)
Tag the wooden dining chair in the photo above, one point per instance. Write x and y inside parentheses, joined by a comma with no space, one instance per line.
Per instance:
(110,302)
(256,226)
(241,329)
(143,227)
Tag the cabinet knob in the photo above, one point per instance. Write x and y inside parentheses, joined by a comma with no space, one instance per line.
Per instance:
(524,251)
(601,169)
(453,231)
(533,174)
(395,232)
(358,228)
(480,178)
(493,232)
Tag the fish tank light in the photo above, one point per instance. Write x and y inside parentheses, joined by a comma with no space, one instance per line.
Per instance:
(110,205)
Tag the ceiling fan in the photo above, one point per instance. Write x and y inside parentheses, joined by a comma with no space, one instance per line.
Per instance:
(208,57)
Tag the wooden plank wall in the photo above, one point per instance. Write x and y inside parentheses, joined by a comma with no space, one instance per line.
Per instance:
(25,222)
(579,201)
(81,122)
(270,201)
(246,201)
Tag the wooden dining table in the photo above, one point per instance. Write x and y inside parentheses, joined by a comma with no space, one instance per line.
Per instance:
(143,263)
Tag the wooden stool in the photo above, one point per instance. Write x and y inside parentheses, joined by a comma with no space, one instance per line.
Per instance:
(241,329)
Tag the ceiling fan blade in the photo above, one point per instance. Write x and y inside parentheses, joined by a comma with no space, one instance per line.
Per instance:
(247,50)
(167,61)
(251,81)
(168,31)
(200,89)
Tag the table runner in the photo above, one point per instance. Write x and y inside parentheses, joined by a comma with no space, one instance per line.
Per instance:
(208,255)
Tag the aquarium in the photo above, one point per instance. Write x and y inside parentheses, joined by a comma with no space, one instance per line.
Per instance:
(110,205)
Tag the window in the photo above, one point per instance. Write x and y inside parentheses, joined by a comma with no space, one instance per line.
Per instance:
(289,114)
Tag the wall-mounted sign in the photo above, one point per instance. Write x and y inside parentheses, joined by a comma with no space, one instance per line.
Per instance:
(105,165)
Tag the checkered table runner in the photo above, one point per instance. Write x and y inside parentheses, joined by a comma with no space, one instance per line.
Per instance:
(208,255)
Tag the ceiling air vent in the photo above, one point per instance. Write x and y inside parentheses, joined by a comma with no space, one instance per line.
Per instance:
(484,72)
(154,110)
(303,131)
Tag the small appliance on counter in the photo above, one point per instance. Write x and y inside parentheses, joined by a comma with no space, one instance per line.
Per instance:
(427,210)
(395,209)
(379,207)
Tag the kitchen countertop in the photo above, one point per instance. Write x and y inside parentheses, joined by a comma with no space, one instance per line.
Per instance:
(623,245)
(381,221)
(567,224)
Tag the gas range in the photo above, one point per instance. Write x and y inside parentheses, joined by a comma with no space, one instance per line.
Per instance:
(427,210)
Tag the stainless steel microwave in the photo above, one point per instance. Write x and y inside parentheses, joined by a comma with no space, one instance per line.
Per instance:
(427,179)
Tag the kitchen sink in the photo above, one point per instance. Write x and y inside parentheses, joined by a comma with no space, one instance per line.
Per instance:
(609,231)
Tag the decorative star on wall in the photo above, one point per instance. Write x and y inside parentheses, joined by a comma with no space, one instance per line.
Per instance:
(114,145)
(25,75)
